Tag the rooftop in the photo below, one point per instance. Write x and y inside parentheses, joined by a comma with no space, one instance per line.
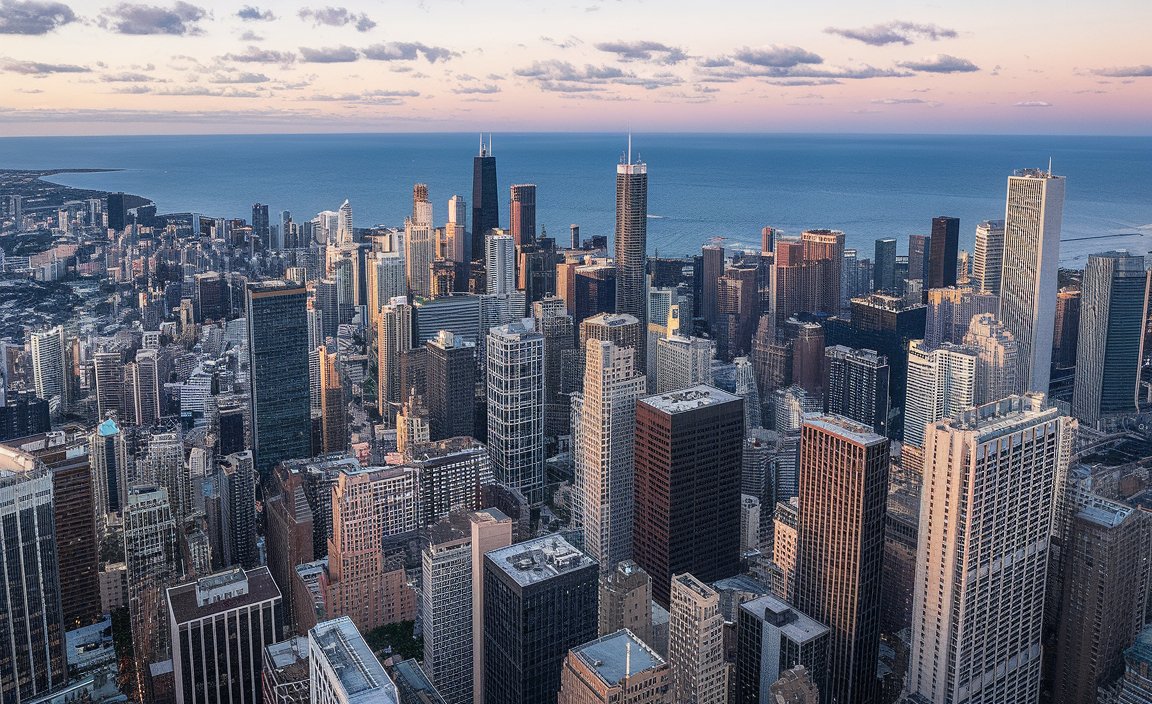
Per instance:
(689,399)
(107,428)
(1104,513)
(618,655)
(844,427)
(795,626)
(221,592)
(359,673)
(1141,649)
(612,320)
(540,559)
(410,676)
(290,658)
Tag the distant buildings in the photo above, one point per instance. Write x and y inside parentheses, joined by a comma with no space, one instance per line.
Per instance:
(631,239)
(988,256)
(942,256)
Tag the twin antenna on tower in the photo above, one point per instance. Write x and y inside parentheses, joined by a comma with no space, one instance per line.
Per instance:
(484,152)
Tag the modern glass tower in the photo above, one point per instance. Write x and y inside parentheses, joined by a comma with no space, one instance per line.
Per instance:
(278,361)
(522,226)
(942,257)
(631,236)
(485,206)
(515,360)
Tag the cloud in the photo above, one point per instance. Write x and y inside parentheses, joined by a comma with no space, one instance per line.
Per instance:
(180,19)
(792,82)
(566,43)
(132,90)
(777,56)
(126,77)
(242,77)
(894,33)
(374,97)
(483,89)
(33,16)
(207,92)
(803,74)
(941,63)
(1033,104)
(562,77)
(644,51)
(35,68)
(900,101)
(1125,72)
(250,36)
(329,55)
(408,51)
(336,17)
(249,13)
(256,55)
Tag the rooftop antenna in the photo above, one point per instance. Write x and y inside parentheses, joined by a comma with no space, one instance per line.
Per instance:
(1049,167)
(489,144)
(629,146)
(481,144)
(628,659)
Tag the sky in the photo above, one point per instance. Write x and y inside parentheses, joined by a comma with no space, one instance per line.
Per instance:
(90,67)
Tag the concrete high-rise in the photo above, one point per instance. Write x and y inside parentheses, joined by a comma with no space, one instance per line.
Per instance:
(950,311)
(988,256)
(626,601)
(491,530)
(622,329)
(682,362)
(452,474)
(996,352)
(825,249)
(522,213)
(48,363)
(451,386)
(688,463)
(942,256)
(617,668)
(419,254)
(220,625)
(774,637)
(34,661)
(552,320)
(539,602)
(110,470)
(278,371)
(153,561)
(1113,312)
(737,310)
(394,336)
(603,430)
(342,669)
(485,199)
(941,383)
(976,629)
(884,265)
(631,237)
(456,237)
(446,607)
(919,248)
(333,410)
(1032,220)
(696,643)
(515,389)
(108,370)
(840,547)
(857,386)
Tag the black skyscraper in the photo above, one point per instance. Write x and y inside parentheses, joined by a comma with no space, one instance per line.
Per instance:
(884,273)
(942,263)
(260,225)
(485,206)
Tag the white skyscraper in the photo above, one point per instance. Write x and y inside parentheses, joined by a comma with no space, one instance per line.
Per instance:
(393,338)
(344,232)
(445,607)
(342,669)
(48,362)
(419,253)
(988,256)
(515,388)
(682,362)
(1032,219)
(986,515)
(456,231)
(995,359)
(941,383)
(500,263)
(696,643)
(603,429)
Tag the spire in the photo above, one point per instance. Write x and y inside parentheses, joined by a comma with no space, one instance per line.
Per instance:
(629,146)
(481,144)
(489,144)
(1049,167)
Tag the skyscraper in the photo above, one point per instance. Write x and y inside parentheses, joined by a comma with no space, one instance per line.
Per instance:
(515,389)
(261,229)
(419,254)
(772,638)
(33,633)
(485,205)
(393,338)
(1066,331)
(446,607)
(626,601)
(456,231)
(278,370)
(343,669)
(451,386)
(950,311)
(941,383)
(238,484)
(696,642)
(108,369)
(711,268)
(491,530)
(344,232)
(333,413)
(623,329)
(995,359)
(857,386)
(687,458)
(153,561)
(560,359)
(220,625)
(1113,311)
(825,249)
(500,263)
(539,602)
(617,668)
(840,546)
(603,430)
(919,247)
(988,256)
(522,211)
(452,474)
(631,238)
(110,470)
(884,265)
(942,259)
(48,363)
(1032,219)
(682,362)
(976,630)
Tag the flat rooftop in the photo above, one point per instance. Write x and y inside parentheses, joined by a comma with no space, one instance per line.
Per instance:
(843,427)
(185,604)
(360,674)
(290,658)
(539,559)
(691,398)
(618,655)
(795,626)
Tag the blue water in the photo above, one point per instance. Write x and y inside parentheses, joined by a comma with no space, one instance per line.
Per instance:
(700,185)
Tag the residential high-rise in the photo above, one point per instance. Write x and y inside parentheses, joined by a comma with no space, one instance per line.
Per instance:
(682,362)
(34,661)
(623,329)
(110,470)
(163,464)
(278,371)
(485,201)
(153,560)
(884,265)
(825,249)
(342,669)
(950,311)
(261,229)
(333,410)
(419,255)
(452,473)
(996,352)
(697,671)
(631,239)
(500,263)
(1113,311)
(840,547)
(617,668)
(1066,331)
(515,389)
(393,338)
(145,384)
(603,429)
(108,370)
(522,213)
(1137,684)
(1029,272)
(451,386)
(711,268)
(48,363)
(551,318)
(857,386)
(344,232)
(456,240)
(446,607)
(238,485)
(942,258)
(919,248)
(289,533)
(220,625)
(626,601)
(976,630)
(594,289)
(737,310)
(688,460)
(941,383)
(491,530)
(988,256)
(774,637)
(539,603)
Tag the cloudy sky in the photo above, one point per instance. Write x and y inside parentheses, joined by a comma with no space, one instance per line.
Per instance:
(101,67)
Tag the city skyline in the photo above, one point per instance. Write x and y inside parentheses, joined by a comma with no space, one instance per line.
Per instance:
(86,67)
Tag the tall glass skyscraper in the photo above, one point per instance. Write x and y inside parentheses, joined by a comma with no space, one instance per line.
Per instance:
(278,372)
(485,206)
(631,236)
